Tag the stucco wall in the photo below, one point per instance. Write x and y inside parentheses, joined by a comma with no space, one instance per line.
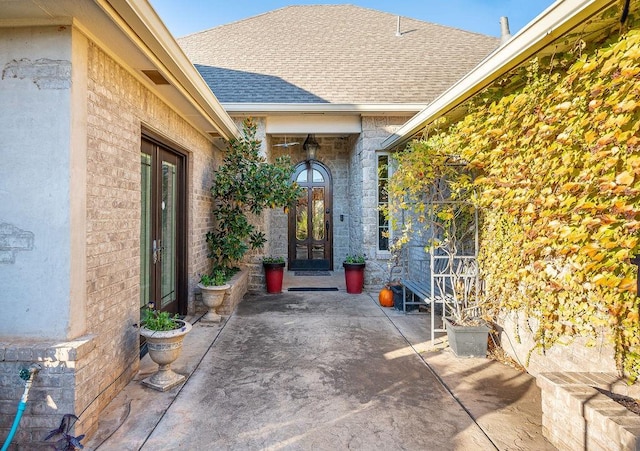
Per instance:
(35,176)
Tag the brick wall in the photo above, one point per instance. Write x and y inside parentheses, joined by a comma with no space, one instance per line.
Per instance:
(575,415)
(118,106)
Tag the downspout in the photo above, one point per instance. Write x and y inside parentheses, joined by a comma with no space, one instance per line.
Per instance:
(28,376)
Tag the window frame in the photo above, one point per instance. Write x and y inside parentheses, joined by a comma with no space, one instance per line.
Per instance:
(390,170)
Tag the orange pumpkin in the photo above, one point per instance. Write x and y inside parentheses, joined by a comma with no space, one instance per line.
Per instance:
(386,297)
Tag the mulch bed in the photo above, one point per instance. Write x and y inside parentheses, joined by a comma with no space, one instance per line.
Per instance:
(631,404)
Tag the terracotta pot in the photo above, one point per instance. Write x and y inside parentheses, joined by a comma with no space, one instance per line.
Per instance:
(354,277)
(274,273)
(164,348)
(212,297)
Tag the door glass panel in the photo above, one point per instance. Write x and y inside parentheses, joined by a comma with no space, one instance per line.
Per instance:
(301,216)
(168,233)
(302,177)
(317,176)
(145,231)
(318,213)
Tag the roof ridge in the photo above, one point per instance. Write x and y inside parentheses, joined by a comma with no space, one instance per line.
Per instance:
(333,5)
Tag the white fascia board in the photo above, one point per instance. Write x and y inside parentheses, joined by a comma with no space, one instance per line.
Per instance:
(319,124)
(154,39)
(323,108)
(558,19)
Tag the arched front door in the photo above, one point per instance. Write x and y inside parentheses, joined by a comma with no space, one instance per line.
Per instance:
(310,221)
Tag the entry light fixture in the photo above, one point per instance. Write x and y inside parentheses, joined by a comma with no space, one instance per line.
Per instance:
(311,146)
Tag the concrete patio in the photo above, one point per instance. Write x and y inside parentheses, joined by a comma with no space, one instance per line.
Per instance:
(325,370)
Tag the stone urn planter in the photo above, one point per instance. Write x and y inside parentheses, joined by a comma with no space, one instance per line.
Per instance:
(467,340)
(164,348)
(212,297)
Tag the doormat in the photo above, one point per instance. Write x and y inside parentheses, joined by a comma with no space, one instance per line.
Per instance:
(312,273)
(313,289)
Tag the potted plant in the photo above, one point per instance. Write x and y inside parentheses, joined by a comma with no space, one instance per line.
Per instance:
(164,334)
(213,289)
(274,273)
(244,186)
(438,205)
(354,273)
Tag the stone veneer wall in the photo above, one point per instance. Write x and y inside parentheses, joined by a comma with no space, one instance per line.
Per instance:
(353,165)
(517,340)
(83,375)
(375,129)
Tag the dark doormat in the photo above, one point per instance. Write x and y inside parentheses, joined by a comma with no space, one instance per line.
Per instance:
(313,289)
(312,273)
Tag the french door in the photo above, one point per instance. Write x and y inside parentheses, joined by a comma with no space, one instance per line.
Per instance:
(162,228)
(310,221)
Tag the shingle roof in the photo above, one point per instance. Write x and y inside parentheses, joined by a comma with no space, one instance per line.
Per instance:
(334,54)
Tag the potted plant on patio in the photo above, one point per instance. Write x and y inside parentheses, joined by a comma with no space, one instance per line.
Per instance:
(438,204)
(274,273)
(244,186)
(354,273)
(164,335)
(213,289)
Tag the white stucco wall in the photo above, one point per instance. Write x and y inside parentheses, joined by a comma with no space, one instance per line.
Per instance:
(35,183)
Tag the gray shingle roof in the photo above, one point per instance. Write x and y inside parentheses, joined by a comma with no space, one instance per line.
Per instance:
(334,54)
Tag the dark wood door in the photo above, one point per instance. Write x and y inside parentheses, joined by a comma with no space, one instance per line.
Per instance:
(162,231)
(311,220)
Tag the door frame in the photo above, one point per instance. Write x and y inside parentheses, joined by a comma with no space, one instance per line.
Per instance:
(328,216)
(181,251)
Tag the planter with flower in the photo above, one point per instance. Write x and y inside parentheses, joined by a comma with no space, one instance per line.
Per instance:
(354,273)
(164,335)
(213,288)
(274,273)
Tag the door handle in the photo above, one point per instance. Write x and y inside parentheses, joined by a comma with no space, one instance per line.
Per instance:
(157,251)
(326,226)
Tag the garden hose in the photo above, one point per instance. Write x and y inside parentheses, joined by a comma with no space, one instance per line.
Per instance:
(27,375)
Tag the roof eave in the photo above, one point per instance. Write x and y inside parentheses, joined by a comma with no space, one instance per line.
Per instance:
(552,23)
(323,108)
(154,39)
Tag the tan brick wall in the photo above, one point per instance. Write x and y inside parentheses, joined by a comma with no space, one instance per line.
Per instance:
(118,107)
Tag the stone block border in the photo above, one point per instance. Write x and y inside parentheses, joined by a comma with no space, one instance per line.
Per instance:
(577,416)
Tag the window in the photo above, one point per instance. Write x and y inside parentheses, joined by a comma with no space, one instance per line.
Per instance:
(384,173)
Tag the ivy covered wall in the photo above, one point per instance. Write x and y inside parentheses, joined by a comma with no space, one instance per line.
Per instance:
(557,174)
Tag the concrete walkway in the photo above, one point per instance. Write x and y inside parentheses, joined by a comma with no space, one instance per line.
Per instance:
(327,371)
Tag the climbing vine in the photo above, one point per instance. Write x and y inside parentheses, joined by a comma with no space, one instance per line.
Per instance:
(557,175)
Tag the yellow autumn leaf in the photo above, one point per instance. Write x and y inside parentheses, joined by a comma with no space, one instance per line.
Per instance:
(625,178)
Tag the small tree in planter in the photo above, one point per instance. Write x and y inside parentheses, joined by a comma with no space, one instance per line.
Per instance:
(437,197)
(244,186)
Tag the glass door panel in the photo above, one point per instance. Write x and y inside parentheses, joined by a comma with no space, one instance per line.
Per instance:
(168,233)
